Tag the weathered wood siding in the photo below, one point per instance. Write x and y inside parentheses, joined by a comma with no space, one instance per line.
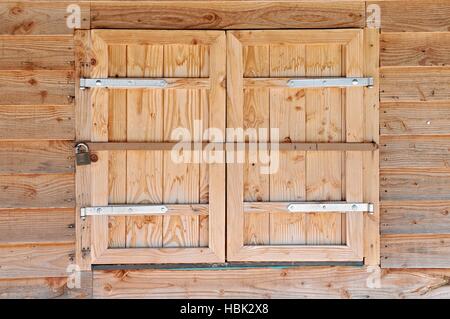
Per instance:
(37,214)
(415,133)
(37,130)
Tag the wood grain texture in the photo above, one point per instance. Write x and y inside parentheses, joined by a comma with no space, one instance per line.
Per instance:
(36,191)
(37,157)
(415,217)
(46,288)
(415,118)
(32,53)
(25,261)
(49,17)
(415,49)
(227,15)
(44,122)
(288,114)
(415,152)
(414,15)
(47,87)
(415,251)
(324,123)
(414,184)
(144,168)
(371,160)
(37,226)
(83,120)
(303,282)
(256,115)
(414,84)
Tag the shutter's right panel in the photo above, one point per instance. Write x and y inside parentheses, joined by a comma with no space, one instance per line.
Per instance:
(311,162)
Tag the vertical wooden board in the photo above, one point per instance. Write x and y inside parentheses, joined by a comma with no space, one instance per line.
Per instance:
(288,184)
(144,124)
(287,114)
(256,115)
(323,183)
(181,60)
(83,121)
(256,185)
(99,133)
(144,186)
(181,180)
(217,172)
(204,167)
(117,132)
(324,124)
(354,110)
(371,159)
(99,197)
(235,171)
(256,60)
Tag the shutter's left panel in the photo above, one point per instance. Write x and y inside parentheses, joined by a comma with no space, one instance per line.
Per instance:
(155,205)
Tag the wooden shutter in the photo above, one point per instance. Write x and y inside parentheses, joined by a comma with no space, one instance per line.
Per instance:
(259,225)
(193,63)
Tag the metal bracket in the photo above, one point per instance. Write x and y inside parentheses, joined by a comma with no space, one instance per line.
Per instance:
(329,82)
(122,83)
(330,207)
(123,210)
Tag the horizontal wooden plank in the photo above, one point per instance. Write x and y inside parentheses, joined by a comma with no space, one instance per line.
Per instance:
(263,37)
(167,146)
(31,53)
(414,15)
(35,260)
(415,49)
(415,217)
(414,184)
(48,17)
(37,157)
(302,282)
(36,191)
(31,122)
(37,226)
(37,87)
(415,152)
(227,15)
(415,251)
(414,83)
(415,118)
(46,288)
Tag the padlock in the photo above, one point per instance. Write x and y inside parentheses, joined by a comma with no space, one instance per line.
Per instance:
(82,155)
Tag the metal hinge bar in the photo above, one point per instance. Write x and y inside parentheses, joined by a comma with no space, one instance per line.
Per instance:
(329,82)
(123,210)
(329,207)
(122,83)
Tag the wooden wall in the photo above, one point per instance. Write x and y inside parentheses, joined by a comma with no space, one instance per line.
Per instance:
(37,129)
(415,134)
(37,201)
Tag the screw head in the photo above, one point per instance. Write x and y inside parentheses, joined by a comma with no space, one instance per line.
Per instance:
(98,82)
(94,158)
(355,82)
